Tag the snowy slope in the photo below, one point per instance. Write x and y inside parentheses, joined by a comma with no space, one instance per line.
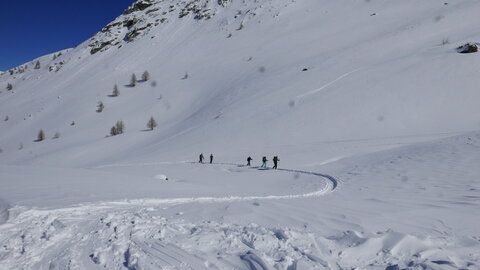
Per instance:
(367,103)
(369,77)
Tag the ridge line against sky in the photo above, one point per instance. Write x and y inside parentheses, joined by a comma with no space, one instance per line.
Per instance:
(33,28)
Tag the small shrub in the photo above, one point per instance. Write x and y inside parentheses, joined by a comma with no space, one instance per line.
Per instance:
(445,41)
(113,131)
(115,92)
(9,86)
(185,76)
(20,146)
(151,124)
(1,150)
(119,128)
(41,135)
(37,65)
(72,123)
(6,118)
(145,76)
(100,107)
(133,80)
(56,135)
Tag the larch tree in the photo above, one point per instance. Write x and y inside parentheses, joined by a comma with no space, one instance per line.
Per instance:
(133,80)
(151,124)
(41,135)
(145,76)
(115,92)
(100,107)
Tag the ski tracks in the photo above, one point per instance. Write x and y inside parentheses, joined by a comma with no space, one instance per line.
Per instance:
(302,96)
(331,183)
(129,234)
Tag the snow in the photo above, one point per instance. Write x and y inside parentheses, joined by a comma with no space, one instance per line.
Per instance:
(378,140)
(4,211)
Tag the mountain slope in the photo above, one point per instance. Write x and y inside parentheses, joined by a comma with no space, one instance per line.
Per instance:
(370,108)
(368,76)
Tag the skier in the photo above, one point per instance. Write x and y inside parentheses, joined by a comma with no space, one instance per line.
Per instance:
(264,160)
(248,161)
(200,158)
(211,158)
(275,161)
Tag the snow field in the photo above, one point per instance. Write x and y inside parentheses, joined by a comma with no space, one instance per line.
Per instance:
(141,237)
(365,91)
(386,213)
(188,182)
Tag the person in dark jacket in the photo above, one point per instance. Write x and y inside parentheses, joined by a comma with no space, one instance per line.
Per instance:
(248,161)
(200,158)
(264,162)
(275,162)
(211,158)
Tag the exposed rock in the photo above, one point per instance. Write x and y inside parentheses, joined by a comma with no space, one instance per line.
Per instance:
(138,6)
(151,10)
(137,20)
(98,46)
(468,48)
(130,23)
(223,2)
(130,36)
(109,26)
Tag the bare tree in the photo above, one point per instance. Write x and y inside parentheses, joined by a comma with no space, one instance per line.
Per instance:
(9,86)
(151,124)
(145,76)
(40,135)
(115,92)
(119,128)
(100,107)
(133,80)
(113,131)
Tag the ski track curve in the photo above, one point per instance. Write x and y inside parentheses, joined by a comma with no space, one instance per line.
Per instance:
(331,184)
(134,234)
(125,234)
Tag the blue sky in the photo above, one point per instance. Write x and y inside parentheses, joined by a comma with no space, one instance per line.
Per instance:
(32,28)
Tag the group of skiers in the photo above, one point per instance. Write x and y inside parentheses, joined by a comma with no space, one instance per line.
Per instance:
(201,158)
(249,159)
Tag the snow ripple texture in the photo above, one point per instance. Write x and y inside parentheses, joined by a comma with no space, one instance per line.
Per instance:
(138,237)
